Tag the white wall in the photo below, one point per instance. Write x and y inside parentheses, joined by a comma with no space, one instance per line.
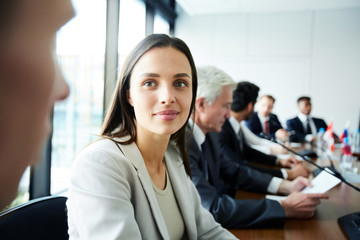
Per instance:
(287,54)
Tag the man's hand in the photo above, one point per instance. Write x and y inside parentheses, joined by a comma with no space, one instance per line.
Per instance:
(282,135)
(298,170)
(286,187)
(302,205)
(277,149)
(289,162)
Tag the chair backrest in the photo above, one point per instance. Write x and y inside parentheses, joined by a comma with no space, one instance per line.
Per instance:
(41,218)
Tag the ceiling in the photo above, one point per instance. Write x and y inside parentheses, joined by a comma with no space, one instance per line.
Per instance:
(197,7)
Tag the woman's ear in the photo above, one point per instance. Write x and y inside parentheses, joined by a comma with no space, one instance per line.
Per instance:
(129,98)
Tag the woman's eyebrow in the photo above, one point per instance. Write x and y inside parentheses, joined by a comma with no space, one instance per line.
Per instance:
(157,75)
(149,75)
(182,75)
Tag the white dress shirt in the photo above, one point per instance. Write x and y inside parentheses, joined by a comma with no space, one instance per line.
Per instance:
(198,134)
(260,144)
(263,120)
(275,181)
(303,118)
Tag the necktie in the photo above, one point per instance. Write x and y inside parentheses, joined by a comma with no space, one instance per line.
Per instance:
(205,157)
(267,126)
(308,128)
(240,137)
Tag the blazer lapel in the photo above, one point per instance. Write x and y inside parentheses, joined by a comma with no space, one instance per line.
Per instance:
(234,136)
(178,179)
(213,163)
(257,123)
(133,154)
(300,125)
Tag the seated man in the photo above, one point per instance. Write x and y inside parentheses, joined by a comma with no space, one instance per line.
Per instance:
(215,176)
(265,121)
(304,126)
(234,145)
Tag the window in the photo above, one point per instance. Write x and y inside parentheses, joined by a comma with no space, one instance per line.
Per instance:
(161,25)
(131,26)
(77,120)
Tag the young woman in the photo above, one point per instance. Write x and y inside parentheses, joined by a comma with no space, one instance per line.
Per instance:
(134,182)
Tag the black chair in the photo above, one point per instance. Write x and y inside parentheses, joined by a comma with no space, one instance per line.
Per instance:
(41,218)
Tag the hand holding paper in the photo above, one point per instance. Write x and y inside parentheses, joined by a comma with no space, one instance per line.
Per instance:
(320,184)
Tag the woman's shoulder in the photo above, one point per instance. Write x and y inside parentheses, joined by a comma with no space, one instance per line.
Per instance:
(100,166)
(103,145)
(102,151)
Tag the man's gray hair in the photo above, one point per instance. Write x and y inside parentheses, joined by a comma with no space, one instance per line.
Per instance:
(210,82)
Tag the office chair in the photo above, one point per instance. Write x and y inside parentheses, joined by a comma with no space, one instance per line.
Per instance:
(41,218)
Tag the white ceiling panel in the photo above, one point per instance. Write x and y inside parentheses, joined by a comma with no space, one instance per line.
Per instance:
(198,7)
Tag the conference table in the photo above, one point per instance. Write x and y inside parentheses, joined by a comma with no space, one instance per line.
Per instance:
(342,200)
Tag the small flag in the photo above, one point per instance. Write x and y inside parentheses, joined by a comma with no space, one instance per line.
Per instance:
(329,136)
(344,134)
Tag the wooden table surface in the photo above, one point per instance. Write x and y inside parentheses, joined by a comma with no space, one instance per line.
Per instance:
(342,200)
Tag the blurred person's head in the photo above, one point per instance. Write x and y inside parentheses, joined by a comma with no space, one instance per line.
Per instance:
(244,98)
(214,98)
(304,105)
(265,105)
(30,83)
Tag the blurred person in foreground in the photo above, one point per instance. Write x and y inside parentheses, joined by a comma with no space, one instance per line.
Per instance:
(30,83)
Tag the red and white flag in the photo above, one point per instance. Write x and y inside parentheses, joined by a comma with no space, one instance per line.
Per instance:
(329,136)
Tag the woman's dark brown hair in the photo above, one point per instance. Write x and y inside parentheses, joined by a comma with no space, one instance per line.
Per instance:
(120,118)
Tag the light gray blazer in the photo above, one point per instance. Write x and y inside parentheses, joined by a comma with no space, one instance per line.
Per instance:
(111,197)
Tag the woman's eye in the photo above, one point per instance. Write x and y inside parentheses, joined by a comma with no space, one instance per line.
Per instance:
(180,84)
(149,84)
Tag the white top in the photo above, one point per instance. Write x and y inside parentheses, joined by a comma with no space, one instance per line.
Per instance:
(111,197)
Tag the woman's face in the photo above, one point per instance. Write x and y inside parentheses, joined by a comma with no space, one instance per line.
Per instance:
(30,82)
(161,91)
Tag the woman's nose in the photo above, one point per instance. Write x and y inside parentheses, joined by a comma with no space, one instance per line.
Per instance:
(167,95)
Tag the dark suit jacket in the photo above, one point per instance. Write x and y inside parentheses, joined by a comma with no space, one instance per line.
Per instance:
(224,176)
(296,125)
(254,124)
(229,145)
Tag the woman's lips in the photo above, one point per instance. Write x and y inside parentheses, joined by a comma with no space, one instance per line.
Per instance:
(167,115)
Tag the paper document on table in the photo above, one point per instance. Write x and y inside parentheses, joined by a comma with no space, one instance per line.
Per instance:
(320,184)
